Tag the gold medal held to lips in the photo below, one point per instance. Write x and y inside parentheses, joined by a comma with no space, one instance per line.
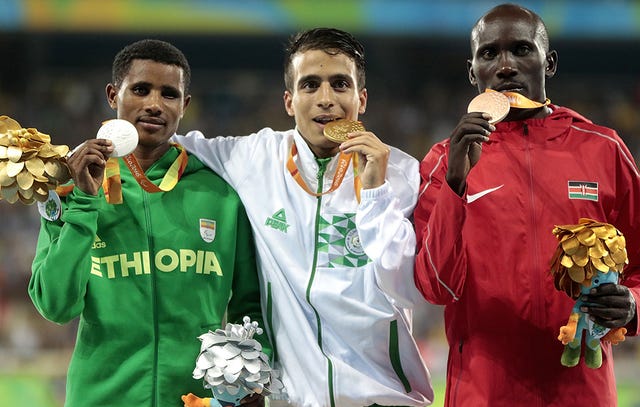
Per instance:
(491,102)
(337,130)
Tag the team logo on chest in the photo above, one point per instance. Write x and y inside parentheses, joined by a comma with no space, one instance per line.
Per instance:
(339,243)
(583,190)
(278,221)
(352,243)
(208,230)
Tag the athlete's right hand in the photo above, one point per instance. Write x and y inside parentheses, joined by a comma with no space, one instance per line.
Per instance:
(465,147)
(87,164)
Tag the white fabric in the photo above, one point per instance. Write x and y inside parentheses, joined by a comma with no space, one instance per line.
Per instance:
(327,316)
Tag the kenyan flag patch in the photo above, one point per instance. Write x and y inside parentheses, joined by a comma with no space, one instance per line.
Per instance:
(583,190)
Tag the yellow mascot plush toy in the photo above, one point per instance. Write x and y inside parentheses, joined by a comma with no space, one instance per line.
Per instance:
(588,254)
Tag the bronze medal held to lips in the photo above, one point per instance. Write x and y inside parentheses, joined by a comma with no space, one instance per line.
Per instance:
(493,103)
(337,130)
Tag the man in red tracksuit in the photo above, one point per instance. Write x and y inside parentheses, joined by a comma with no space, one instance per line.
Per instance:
(490,197)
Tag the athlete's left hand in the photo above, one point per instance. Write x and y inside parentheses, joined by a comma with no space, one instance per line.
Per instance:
(253,400)
(610,305)
(373,156)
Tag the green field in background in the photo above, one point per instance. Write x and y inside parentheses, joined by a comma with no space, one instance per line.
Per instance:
(23,390)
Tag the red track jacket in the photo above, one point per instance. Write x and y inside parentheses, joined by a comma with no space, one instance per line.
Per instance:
(486,256)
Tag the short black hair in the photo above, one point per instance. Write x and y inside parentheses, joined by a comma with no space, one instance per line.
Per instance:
(329,40)
(152,49)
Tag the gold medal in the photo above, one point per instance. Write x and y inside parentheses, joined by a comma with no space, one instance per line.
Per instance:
(338,130)
(495,104)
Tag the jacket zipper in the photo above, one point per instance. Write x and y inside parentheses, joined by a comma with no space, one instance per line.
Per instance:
(537,312)
(154,302)
(322,167)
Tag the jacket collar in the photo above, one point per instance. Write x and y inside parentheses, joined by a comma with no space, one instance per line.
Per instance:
(554,124)
(307,163)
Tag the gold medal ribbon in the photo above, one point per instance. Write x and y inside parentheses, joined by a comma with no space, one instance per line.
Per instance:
(343,165)
(112,184)
(521,102)
(357,182)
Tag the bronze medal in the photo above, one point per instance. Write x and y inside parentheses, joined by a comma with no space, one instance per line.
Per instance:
(493,103)
(338,130)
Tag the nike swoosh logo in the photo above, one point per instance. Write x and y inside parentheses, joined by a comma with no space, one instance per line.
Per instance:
(478,195)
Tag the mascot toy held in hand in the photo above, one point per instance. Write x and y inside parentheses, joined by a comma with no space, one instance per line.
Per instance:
(589,254)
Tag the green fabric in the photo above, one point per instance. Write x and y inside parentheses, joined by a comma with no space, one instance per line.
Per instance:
(394,353)
(145,284)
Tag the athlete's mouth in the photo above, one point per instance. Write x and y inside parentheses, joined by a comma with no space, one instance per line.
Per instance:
(325,119)
(510,87)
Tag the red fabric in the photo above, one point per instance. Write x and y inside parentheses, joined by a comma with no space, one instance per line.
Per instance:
(488,260)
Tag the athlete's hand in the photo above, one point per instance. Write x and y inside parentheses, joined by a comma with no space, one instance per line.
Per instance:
(465,147)
(253,400)
(87,164)
(610,305)
(191,400)
(373,156)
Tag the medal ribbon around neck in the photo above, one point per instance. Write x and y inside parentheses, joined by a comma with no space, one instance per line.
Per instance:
(343,165)
(112,184)
(521,102)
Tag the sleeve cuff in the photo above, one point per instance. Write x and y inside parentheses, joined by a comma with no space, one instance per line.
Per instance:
(375,193)
(79,200)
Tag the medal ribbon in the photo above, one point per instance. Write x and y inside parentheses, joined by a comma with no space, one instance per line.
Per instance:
(521,102)
(64,190)
(357,182)
(112,184)
(343,165)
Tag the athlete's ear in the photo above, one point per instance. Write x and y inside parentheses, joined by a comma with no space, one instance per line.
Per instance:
(363,96)
(552,64)
(288,103)
(472,75)
(112,93)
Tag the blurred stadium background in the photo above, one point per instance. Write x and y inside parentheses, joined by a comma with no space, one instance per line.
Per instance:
(56,60)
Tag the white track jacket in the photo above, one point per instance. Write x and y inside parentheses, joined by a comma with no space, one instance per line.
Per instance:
(336,276)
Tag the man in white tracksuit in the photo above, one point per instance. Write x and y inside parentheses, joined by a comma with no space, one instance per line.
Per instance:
(336,259)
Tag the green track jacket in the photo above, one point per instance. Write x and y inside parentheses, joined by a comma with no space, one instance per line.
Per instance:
(146,280)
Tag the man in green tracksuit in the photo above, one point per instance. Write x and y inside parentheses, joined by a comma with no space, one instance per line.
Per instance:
(150,274)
